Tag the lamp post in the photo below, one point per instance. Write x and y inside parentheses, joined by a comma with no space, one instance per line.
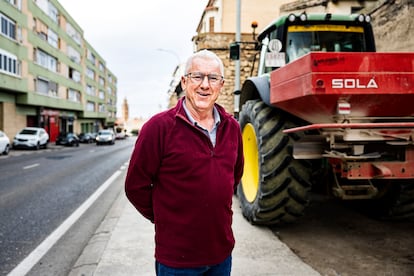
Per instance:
(237,62)
(176,76)
(170,52)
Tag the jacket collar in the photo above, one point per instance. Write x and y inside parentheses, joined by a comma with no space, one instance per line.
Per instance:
(179,111)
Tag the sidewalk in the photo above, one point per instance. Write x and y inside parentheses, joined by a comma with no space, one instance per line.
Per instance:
(124,245)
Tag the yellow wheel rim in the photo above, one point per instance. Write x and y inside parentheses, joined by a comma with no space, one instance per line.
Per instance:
(250,179)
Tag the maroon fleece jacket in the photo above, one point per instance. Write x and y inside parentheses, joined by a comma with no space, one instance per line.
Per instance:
(179,181)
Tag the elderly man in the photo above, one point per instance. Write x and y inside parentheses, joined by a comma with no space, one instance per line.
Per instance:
(184,168)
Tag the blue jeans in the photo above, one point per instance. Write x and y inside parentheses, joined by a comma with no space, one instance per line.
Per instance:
(221,269)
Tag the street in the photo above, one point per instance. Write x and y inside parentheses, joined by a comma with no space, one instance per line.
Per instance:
(335,238)
(40,189)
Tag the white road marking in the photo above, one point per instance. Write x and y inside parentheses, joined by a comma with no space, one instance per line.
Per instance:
(30,166)
(31,260)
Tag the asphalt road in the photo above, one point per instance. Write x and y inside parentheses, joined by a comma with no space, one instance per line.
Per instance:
(40,189)
(335,238)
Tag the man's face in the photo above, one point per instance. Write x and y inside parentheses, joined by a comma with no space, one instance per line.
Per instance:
(202,84)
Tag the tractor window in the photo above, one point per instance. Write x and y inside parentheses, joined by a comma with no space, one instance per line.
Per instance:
(327,38)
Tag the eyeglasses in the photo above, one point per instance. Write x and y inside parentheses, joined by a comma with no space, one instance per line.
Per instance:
(197,78)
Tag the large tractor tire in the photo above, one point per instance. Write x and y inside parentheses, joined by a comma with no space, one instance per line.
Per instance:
(403,206)
(395,200)
(274,187)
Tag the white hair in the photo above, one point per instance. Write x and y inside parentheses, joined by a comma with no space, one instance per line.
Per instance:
(206,54)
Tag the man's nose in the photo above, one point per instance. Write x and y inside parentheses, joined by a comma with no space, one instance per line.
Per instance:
(205,81)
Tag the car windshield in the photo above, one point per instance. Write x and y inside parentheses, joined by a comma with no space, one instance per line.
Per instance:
(327,38)
(28,131)
(104,132)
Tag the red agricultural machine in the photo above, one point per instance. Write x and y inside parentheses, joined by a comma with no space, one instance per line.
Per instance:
(327,113)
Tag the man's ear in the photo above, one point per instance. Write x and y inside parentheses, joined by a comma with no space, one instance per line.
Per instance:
(183,82)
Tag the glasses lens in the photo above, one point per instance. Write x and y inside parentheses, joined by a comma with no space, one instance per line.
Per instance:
(214,79)
(197,78)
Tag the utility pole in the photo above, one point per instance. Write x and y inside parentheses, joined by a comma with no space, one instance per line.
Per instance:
(237,62)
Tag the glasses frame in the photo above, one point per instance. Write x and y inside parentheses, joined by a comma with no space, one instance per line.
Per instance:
(203,76)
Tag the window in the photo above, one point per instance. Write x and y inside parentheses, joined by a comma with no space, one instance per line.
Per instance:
(74,75)
(211,24)
(42,4)
(90,90)
(16,3)
(48,8)
(45,60)
(101,81)
(45,33)
(101,95)
(90,73)
(53,89)
(8,27)
(42,86)
(324,37)
(73,54)
(91,57)
(41,58)
(70,30)
(74,95)
(52,38)
(101,108)
(9,63)
(90,106)
(101,67)
(46,87)
(53,12)
(40,28)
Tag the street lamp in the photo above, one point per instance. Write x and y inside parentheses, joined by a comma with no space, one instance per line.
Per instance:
(170,52)
(237,62)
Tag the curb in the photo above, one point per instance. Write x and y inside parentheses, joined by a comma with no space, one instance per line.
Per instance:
(91,255)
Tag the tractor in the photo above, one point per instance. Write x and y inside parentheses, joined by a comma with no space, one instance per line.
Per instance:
(326,113)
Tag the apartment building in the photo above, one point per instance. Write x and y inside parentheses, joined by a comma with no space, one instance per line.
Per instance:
(50,76)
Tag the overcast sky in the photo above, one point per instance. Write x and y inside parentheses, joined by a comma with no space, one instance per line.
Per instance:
(128,34)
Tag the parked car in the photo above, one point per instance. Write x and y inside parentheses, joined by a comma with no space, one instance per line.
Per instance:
(4,143)
(31,137)
(67,139)
(105,136)
(87,137)
(120,135)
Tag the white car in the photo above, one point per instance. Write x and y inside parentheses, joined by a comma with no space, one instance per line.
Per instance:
(31,137)
(105,136)
(4,143)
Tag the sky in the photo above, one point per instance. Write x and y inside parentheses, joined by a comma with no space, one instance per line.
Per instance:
(141,42)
